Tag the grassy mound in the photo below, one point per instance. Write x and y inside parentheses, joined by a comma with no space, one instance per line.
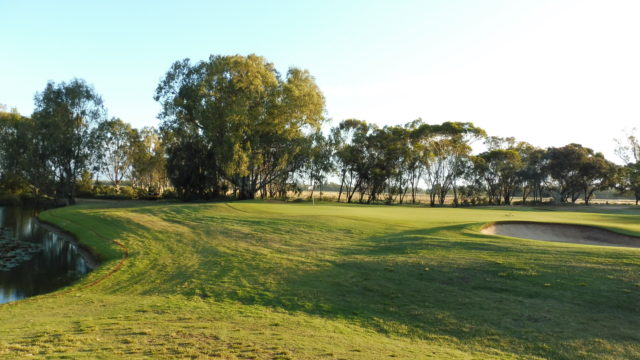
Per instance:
(254,280)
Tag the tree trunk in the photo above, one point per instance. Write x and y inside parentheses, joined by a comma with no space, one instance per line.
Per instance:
(246,191)
(341,185)
(246,194)
(587,196)
(507,197)
(455,197)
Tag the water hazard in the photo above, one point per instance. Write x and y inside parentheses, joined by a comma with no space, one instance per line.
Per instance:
(35,259)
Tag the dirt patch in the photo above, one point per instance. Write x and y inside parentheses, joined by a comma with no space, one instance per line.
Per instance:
(576,234)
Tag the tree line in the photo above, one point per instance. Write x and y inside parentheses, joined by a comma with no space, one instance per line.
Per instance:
(68,140)
(233,126)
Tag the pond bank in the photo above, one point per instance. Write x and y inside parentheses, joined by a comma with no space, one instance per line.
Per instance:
(92,259)
(57,259)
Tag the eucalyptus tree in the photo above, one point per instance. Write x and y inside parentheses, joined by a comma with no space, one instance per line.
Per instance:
(148,161)
(248,116)
(563,166)
(628,147)
(414,155)
(339,156)
(297,171)
(191,166)
(11,128)
(375,162)
(534,173)
(629,180)
(500,169)
(116,139)
(319,163)
(596,173)
(578,171)
(485,178)
(19,155)
(65,118)
(380,164)
(352,156)
(527,180)
(448,147)
(405,152)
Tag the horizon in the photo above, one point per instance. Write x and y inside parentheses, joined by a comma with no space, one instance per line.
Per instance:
(548,72)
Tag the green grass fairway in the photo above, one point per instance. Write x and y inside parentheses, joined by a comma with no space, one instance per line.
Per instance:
(258,280)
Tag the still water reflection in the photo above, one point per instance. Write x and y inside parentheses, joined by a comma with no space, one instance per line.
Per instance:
(57,264)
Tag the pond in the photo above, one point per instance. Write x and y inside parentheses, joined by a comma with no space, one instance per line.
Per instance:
(35,258)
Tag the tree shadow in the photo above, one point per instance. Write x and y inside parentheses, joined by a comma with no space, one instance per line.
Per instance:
(477,291)
(540,304)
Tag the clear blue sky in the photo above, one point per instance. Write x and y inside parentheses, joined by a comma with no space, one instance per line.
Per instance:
(548,72)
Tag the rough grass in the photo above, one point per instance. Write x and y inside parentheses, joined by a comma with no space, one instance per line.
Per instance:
(254,280)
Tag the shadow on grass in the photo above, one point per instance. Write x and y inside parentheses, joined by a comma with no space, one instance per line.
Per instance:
(482,291)
(524,299)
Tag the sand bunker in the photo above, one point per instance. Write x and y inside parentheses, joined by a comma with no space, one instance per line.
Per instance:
(576,234)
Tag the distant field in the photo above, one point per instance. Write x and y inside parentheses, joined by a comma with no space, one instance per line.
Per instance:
(423,198)
(265,280)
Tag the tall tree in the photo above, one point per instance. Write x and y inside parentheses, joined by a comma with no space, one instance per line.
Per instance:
(20,165)
(12,126)
(501,172)
(319,163)
(501,168)
(415,153)
(448,147)
(628,149)
(563,167)
(596,173)
(149,160)
(248,115)
(533,173)
(191,167)
(68,113)
(577,171)
(352,156)
(629,180)
(116,139)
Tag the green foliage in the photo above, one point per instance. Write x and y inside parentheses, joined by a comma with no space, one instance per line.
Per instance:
(500,169)
(239,111)
(578,170)
(85,185)
(628,180)
(149,162)
(116,141)
(233,126)
(65,118)
(191,168)
(24,155)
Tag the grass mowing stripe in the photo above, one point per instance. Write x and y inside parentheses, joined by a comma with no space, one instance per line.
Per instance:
(260,280)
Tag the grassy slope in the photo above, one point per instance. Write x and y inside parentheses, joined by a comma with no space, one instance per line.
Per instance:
(279,281)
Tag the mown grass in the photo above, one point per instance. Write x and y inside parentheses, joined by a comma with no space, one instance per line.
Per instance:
(257,280)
